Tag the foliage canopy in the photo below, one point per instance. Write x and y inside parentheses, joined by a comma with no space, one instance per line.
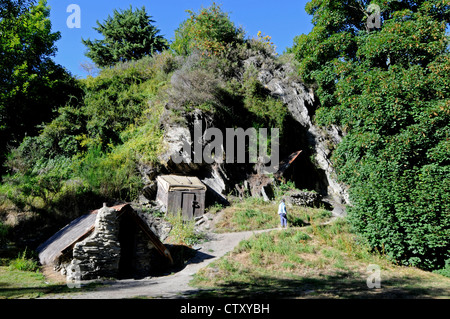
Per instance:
(31,84)
(208,31)
(127,35)
(389,88)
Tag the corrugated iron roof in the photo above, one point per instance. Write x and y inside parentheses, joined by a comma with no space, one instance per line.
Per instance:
(175,182)
(52,248)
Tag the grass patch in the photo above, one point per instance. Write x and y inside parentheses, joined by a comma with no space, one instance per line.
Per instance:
(21,284)
(318,261)
(23,278)
(24,263)
(256,214)
(15,284)
(183,231)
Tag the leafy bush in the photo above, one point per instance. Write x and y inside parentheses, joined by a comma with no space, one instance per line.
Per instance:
(388,90)
(128,35)
(43,180)
(113,101)
(145,141)
(112,175)
(208,31)
(32,85)
(446,270)
(193,88)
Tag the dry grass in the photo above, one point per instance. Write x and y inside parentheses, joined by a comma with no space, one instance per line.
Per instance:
(313,262)
(255,214)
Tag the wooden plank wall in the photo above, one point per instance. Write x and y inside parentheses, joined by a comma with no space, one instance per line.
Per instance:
(175,203)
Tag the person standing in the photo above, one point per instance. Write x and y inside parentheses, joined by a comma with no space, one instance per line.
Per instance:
(283,213)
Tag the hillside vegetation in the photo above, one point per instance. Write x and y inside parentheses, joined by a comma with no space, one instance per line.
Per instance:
(314,261)
(92,150)
(387,88)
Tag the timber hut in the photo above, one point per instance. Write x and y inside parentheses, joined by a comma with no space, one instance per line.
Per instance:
(108,242)
(181,194)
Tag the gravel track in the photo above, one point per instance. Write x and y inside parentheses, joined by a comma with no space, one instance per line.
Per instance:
(172,286)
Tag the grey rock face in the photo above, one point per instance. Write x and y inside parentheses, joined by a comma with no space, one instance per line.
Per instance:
(300,101)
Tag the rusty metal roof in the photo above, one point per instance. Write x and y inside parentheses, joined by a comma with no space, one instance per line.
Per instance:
(286,163)
(74,232)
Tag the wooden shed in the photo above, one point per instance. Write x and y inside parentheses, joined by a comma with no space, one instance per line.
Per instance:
(182,194)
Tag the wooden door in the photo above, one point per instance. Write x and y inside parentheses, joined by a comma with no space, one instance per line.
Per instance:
(188,205)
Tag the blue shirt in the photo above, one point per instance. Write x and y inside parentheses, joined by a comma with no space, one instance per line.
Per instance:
(282,209)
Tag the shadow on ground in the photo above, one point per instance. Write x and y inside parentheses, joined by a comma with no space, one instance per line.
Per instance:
(7,292)
(182,256)
(346,286)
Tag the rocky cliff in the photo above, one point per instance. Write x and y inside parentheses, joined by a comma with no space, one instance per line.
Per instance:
(313,170)
(301,103)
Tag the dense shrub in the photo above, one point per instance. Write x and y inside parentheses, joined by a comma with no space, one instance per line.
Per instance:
(127,35)
(194,87)
(114,99)
(32,85)
(95,146)
(3,234)
(209,31)
(111,175)
(388,89)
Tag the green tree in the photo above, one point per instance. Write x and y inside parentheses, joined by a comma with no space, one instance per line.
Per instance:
(31,84)
(389,89)
(208,31)
(128,35)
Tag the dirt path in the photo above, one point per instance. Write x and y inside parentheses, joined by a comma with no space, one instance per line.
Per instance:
(171,286)
(175,285)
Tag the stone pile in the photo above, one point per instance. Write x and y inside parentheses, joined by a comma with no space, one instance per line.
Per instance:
(303,198)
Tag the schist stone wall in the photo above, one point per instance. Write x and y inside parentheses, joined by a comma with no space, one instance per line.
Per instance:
(99,255)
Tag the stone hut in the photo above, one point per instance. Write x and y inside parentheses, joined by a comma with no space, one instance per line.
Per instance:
(109,242)
(181,194)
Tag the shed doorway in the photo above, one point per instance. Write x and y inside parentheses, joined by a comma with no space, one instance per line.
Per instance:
(127,240)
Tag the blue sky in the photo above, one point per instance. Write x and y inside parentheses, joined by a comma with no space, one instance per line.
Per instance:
(282,20)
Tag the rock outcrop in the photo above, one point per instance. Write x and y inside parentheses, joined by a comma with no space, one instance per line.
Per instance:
(301,103)
(222,179)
